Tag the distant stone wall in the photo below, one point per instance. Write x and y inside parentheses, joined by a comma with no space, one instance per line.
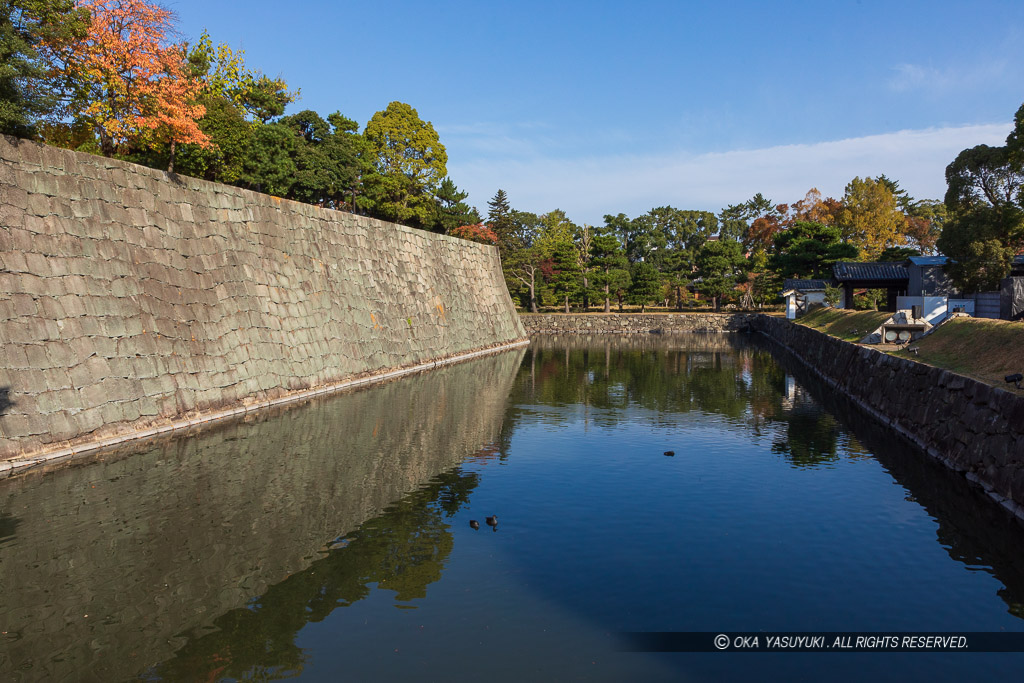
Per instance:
(131,298)
(626,323)
(974,428)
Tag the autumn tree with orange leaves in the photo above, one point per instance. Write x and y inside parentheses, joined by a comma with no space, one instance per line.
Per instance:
(479,232)
(132,84)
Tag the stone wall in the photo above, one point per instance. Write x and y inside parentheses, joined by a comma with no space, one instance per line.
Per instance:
(973,427)
(130,297)
(625,323)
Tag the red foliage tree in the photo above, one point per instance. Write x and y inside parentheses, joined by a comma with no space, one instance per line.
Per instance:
(131,85)
(479,232)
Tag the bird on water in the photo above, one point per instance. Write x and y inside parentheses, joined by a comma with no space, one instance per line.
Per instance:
(492,521)
(475,524)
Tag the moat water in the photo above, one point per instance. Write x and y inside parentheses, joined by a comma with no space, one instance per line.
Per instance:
(332,541)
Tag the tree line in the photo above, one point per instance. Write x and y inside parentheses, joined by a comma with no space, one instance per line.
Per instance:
(740,255)
(104,76)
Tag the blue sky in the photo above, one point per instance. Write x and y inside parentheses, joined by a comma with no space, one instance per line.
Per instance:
(613,107)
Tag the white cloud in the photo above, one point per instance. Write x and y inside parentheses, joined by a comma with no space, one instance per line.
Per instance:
(917,77)
(588,188)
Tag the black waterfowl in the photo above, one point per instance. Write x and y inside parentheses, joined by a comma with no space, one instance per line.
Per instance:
(492,521)
(670,453)
(475,524)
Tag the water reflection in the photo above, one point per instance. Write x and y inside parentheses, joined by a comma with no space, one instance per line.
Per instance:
(705,376)
(210,558)
(402,550)
(970,526)
(109,567)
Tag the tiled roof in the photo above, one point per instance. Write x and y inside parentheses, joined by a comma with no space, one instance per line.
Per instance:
(803,285)
(846,271)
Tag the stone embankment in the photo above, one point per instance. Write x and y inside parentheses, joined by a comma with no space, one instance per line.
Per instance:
(973,427)
(132,300)
(627,323)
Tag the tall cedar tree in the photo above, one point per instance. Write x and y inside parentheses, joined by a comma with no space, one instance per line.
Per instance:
(499,217)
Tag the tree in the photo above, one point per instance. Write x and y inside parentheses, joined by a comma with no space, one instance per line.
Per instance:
(719,266)
(270,165)
(475,233)
(565,278)
(686,233)
(521,257)
(324,156)
(808,250)
(237,101)
(645,284)
(903,198)
(757,218)
(621,226)
(583,238)
(28,90)
(231,138)
(981,242)
(897,254)
(925,219)
(815,209)
(870,218)
(409,162)
(174,112)
(985,197)
(499,215)
(453,212)
(984,175)
(131,86)
(608,258)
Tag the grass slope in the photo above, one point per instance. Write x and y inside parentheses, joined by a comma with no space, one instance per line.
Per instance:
(986,350)
(847,325)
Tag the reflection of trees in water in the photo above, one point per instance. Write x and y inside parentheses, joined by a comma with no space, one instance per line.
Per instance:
(402,550)
(811,436)
(8,526)
(737,379)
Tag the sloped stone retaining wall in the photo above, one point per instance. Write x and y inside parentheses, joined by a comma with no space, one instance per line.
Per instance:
(626,323)
(974,428)
(131,298)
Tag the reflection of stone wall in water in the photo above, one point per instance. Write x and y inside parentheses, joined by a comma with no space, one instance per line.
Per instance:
(130,297)
(158,544)
(973,427)
(970,528)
